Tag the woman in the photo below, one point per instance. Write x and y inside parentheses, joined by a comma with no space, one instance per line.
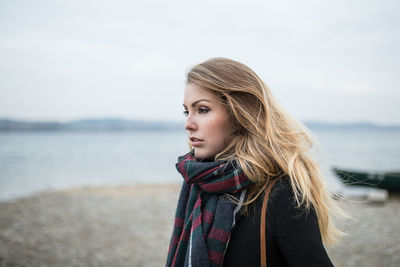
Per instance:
(242,145)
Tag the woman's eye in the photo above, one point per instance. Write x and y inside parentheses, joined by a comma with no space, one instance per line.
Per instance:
(203,110)
(185,113)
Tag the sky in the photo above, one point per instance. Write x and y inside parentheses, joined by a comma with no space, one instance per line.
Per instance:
(332,61)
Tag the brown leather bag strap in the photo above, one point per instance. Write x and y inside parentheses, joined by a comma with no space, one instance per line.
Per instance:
(263,240)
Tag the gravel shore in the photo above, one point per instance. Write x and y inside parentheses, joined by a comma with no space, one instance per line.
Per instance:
(131,226)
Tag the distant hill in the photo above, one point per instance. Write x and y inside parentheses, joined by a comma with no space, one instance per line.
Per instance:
(349,126)
(90,125)
(115,124)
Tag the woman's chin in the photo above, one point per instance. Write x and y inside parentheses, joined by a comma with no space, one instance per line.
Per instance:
(200,155)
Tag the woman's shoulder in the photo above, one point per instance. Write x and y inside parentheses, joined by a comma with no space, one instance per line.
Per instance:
(282,199)
(284,209)
(282,188)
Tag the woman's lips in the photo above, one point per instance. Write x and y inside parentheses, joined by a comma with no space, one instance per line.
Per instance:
(196,142)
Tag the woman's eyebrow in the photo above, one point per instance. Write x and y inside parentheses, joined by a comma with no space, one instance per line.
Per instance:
(197,101)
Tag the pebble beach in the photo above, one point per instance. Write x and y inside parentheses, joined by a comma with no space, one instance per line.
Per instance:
(131,226)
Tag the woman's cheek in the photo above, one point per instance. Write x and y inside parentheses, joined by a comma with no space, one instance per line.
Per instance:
(213,127)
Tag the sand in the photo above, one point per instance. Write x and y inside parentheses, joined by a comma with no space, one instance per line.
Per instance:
(131,226)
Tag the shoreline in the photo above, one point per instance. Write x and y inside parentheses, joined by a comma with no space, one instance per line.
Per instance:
(123,187)
(131,226)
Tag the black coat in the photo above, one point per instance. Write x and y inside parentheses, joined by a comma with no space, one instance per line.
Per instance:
(292,235)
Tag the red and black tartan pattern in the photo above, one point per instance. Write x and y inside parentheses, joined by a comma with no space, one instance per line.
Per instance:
(205,216)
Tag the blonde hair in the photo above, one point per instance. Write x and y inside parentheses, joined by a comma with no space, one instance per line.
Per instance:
(267,142)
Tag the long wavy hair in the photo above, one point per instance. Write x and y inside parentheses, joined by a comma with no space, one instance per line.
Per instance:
(267,142)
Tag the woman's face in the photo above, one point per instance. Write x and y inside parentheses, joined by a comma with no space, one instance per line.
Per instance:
(208,124)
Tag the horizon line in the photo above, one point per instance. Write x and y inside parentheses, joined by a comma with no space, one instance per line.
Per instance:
(313,121)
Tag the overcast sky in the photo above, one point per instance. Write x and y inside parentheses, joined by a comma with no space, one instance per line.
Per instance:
(334,61)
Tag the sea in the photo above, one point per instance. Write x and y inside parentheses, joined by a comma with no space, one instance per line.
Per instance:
(31,162)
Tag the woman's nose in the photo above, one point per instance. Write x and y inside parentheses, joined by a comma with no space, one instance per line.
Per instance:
(190,124)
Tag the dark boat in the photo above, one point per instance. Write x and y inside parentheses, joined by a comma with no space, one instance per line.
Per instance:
(384,180)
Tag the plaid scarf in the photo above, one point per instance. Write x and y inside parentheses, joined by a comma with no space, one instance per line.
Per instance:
(205,216)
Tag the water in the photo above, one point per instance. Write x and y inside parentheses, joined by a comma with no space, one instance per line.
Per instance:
(374,150)
(32,162)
